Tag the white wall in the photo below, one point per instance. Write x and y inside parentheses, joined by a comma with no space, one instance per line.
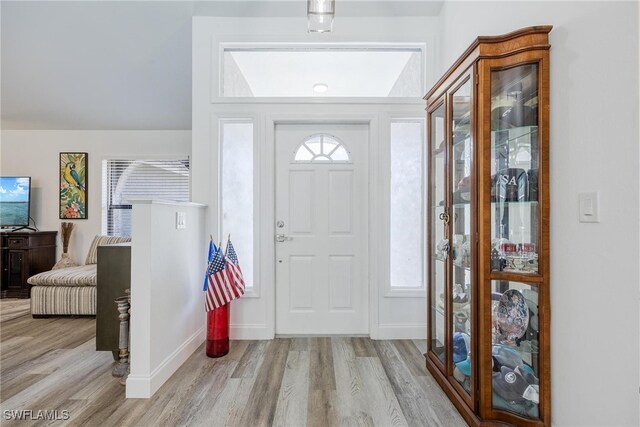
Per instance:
(168,321)
(594,147)
(36,154)
(253,317)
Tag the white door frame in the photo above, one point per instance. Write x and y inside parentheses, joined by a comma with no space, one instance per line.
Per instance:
(267,201)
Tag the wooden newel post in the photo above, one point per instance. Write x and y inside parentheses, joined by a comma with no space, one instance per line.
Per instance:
(122,366)
(123,379)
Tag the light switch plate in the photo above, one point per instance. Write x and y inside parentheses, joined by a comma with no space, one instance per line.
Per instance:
(181,220)
(588,208)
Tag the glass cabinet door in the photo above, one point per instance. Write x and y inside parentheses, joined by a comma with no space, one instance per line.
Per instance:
(514,246)
(514,169)
(438,241)
(515,348)
(462,197)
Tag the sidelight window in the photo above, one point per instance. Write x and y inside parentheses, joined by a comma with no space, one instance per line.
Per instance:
(407,204)
(237,191)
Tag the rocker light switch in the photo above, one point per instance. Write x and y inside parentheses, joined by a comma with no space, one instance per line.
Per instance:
(589,211)
(181,220)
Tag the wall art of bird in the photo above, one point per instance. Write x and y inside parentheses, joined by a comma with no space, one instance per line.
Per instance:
(71,176)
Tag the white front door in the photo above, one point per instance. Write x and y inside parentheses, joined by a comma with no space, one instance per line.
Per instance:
(321,229)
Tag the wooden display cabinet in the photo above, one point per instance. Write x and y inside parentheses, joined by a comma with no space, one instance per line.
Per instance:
(488,230)
(24,254)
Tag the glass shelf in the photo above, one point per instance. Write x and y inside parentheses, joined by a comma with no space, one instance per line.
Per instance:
(458,265)
(524,348)
(461,205)
(520,132)
(454,205)
(519,203)
(459,140)
(514,271)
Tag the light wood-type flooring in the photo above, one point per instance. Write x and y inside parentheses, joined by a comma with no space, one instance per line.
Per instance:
(51,364)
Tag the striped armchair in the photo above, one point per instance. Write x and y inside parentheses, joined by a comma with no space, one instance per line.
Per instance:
(72,290)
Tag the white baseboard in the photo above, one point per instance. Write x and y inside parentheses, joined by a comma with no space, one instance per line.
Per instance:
(144,386)
(402,332)
(250,332)
(385,332)
(138,386)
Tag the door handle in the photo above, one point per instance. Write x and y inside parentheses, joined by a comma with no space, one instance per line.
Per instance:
(444,217)
(283,238)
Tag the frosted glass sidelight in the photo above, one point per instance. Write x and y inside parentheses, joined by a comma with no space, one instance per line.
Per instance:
(237,192)
(406,216)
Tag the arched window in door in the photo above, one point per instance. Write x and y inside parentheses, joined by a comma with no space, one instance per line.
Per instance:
(322,148)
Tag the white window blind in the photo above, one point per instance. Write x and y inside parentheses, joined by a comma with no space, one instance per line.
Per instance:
(123,180)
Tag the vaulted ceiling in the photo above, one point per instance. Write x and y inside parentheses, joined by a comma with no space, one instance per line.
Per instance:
(122,64)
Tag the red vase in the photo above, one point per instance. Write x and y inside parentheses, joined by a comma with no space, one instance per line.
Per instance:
(218,331)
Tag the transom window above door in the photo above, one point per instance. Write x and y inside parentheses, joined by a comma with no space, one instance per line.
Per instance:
(321,148)
(321,71)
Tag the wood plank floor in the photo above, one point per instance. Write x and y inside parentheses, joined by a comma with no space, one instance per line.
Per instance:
(14,307)
(51,364)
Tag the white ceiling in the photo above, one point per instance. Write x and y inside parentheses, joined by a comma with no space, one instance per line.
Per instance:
(122,65)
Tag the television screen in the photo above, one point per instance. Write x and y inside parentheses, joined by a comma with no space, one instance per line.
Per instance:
(14,200)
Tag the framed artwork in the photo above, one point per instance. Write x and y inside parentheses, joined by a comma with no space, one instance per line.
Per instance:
(73,185)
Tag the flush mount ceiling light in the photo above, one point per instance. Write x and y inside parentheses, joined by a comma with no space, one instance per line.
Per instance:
(320,88)
(320,15)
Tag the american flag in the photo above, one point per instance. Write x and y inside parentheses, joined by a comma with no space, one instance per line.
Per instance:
(233,267)
(212,250)
(221,289)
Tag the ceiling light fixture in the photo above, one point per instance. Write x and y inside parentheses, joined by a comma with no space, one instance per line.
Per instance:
(320,88)
(320,14)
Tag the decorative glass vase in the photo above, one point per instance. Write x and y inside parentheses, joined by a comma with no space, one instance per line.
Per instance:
(218,331)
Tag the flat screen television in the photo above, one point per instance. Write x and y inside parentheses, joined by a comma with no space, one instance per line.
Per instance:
(15,198)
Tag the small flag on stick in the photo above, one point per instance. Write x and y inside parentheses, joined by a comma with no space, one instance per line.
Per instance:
(233,266)
(212,250)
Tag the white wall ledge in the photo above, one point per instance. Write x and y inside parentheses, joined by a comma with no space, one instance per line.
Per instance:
(134,201)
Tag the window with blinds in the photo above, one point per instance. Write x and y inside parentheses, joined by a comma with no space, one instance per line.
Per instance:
(123,180)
